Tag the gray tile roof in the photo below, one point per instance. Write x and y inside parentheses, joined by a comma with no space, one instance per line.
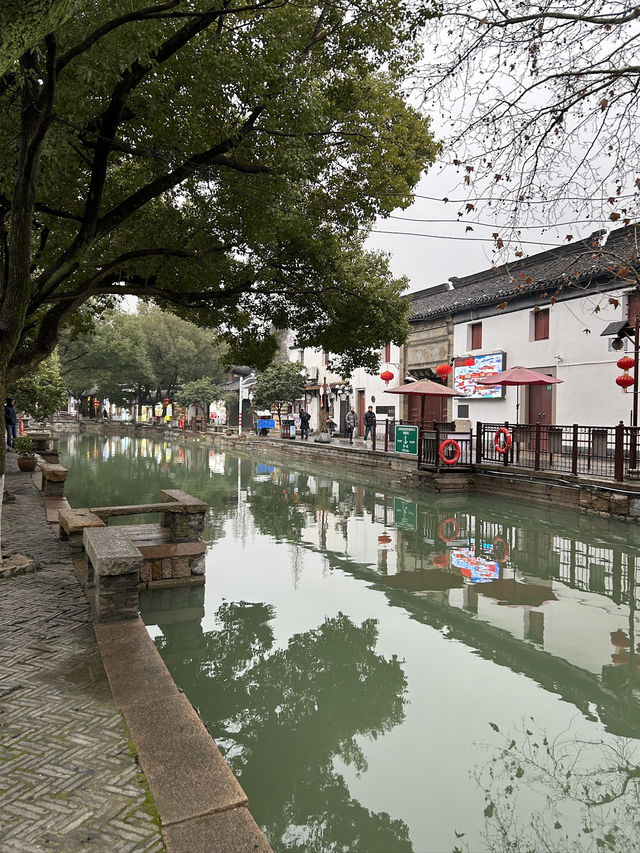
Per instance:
(559,272)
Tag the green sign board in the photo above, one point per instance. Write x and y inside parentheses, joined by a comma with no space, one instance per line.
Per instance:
(407,439)
(405,514)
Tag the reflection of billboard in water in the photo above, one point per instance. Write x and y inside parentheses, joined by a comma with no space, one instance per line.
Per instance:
(476,569)
(465,376)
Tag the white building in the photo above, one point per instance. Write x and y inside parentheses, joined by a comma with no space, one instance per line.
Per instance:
(546,312)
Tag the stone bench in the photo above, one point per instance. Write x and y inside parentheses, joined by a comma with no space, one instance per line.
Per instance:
(53,479)
(73,523)
(113,568)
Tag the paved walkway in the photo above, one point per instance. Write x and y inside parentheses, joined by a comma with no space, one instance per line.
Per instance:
(68,780)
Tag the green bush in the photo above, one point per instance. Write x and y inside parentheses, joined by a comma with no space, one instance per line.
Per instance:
(23,446)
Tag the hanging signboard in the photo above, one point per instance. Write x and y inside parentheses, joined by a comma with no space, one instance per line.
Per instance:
(407,439)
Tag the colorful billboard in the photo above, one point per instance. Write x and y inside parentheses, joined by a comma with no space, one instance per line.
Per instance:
(467,371)
(474,568)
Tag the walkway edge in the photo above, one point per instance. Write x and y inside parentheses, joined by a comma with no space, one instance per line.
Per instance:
(201,805)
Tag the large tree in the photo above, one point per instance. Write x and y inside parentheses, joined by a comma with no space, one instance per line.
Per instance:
(221,157)
(541,109)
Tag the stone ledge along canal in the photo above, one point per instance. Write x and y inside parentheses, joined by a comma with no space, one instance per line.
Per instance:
(391,672)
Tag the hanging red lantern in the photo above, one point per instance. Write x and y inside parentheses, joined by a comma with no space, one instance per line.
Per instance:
(166,401)
(443,370)
(625,381)
(386,376)
(385,539)
(626,362)
(96,404)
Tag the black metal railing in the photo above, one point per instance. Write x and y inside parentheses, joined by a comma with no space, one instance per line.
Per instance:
(598,451)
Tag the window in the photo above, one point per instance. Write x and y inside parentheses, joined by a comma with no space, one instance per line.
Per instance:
(301,356)
(541,324)
(633,308)
(475,334)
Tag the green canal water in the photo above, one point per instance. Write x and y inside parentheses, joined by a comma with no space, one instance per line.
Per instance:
(390,672)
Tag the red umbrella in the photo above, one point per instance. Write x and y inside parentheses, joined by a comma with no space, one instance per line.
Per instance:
(511,592)
(424,388)
(518,376)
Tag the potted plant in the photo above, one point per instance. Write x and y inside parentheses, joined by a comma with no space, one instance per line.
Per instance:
(23,446)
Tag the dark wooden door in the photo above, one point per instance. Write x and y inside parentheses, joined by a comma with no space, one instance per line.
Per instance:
(360,411)
(435,408)
(540,404)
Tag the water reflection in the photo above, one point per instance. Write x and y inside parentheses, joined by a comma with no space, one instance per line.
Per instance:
(275,714)
(534,598)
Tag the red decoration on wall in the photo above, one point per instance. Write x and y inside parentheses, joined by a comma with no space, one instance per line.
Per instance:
(443,370)
(468,362)
(386,376)
(625,381)
(626,362)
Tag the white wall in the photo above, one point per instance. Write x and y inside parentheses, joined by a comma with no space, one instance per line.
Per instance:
(574,352)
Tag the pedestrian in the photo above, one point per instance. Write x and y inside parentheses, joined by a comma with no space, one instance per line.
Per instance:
(305,417)
(369,423)
(10,421)
(350,422)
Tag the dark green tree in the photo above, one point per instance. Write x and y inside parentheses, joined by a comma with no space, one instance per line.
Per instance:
(282,383)
(224,158)
(42,391)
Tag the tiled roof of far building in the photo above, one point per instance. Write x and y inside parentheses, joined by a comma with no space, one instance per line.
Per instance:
(555,271)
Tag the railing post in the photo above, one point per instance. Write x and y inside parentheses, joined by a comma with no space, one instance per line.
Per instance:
(420,439)
(505,455)
(536,448)
(633,449)
(479,440)
(386,435)
(619,453)
(437,448)
(373,435)
(574,450)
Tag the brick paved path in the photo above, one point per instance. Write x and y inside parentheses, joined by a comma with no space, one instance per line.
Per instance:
(68,780)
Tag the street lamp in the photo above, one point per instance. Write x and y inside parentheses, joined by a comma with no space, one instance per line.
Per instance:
(619,331)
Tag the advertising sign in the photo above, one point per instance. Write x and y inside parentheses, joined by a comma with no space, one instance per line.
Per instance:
(465,376)
(407,439)
(475,568)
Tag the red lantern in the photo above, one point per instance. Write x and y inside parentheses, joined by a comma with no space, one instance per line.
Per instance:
(625,381)
(386,376)
(443,370)
(626,362)
(385,539)
(166,401)
(96,404)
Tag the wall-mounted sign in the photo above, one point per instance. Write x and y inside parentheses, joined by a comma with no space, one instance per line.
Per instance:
(407,439)
(466,374)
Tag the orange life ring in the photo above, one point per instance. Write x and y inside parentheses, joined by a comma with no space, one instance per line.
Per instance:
(443,447)
(441,529)
(505,547)
(181,423)
(507,440)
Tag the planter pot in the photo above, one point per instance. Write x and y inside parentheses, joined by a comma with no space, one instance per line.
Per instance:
(25,464)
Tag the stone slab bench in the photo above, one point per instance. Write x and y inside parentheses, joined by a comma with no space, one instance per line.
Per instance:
(73,523)
(53,478)
(113,568)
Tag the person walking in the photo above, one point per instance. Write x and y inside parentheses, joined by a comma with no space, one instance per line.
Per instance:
(350,422)
(305,417)
(10,421)
(369,423)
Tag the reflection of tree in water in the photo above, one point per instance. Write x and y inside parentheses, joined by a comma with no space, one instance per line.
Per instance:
(284,715)
(276,510)
(587,790)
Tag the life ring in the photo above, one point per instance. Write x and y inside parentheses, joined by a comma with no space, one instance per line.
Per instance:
(507,440)
(181,423)
(498,542)
(456,447)
(454,533)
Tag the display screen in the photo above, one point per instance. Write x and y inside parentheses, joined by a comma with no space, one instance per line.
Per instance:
(465,376)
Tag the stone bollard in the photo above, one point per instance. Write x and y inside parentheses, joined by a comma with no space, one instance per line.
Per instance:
(113,565)
(186,526)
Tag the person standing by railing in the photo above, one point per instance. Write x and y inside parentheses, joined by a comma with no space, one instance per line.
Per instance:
(369,423)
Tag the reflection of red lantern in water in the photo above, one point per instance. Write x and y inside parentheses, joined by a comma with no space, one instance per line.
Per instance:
(386,376)
(385,539)
(441,561)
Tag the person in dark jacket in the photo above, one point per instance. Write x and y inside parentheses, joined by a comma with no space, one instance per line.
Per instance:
(369,423)
(351,422)
(10,421)
(305,417)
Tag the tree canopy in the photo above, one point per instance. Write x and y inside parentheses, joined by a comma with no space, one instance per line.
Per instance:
(281,383)
(223,158)
(541,108)
(43,392)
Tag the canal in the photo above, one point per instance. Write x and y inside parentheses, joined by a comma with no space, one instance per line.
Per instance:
(390,672)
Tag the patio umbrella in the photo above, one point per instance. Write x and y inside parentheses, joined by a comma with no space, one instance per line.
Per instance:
(515,593)
(518,376)
(424,388)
